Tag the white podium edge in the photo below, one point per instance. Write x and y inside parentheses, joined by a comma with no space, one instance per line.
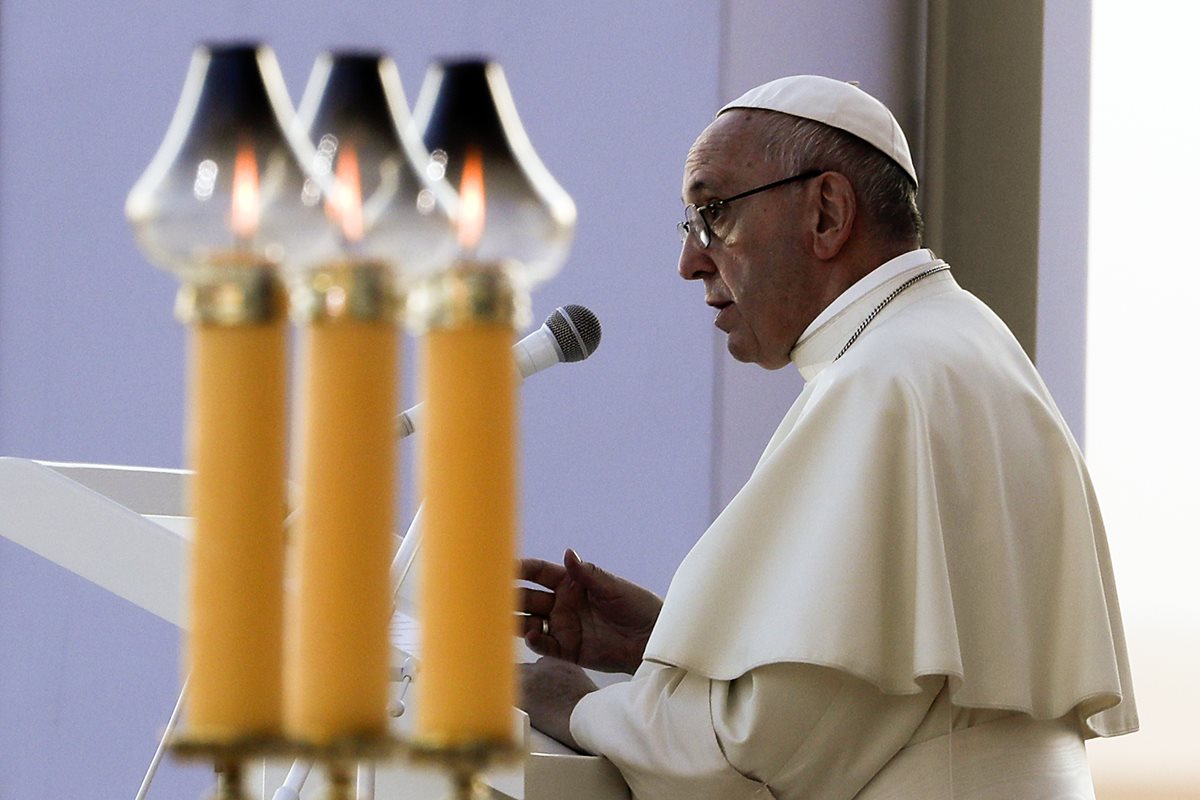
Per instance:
(93,536)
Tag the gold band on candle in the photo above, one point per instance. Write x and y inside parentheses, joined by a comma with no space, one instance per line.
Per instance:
(237,445)
(362,291)
(239,296)
(338,664)
(467,688)
(468,293)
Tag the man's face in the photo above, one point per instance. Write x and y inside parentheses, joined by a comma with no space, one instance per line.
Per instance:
(756,271)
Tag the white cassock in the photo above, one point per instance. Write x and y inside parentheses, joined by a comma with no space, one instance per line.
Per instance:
(911,597)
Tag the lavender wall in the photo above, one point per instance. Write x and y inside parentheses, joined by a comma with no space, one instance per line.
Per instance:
(87,680)
(91,363)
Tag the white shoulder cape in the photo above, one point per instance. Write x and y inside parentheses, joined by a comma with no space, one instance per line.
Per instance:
(921,510)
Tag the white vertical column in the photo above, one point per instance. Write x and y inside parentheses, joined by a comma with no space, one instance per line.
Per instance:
(1143,432)
(1062,244)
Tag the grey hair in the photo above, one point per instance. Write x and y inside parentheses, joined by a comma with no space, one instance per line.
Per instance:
(884,190)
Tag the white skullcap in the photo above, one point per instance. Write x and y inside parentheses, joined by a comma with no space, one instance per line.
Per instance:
(837,104)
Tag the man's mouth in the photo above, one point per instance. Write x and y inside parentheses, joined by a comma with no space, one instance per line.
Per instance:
(721,306)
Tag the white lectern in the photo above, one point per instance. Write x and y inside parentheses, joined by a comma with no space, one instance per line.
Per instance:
(124,530)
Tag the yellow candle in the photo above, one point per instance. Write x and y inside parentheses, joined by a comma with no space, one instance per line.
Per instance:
(467,686)
(237,445)
(338,647)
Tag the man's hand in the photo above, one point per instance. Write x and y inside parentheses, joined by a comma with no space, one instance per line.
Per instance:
(589,617)
(550,689)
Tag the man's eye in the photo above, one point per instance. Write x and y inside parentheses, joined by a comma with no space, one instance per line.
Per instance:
(714,213)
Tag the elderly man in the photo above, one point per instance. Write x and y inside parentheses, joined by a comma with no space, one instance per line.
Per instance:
(911,597)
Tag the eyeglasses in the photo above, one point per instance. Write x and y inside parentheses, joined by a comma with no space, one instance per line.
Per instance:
(695,222)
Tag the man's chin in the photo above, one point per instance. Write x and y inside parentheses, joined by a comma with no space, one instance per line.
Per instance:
(738,349)
(751,355)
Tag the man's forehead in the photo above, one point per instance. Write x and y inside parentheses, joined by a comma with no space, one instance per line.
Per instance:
(728,148)
(731,132)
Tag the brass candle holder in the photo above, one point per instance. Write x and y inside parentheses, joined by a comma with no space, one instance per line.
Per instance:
(386,216)
(237,197)
(219,205)
(514,229)
(467,316)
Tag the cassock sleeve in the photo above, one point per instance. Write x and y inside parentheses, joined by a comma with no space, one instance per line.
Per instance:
(779,731)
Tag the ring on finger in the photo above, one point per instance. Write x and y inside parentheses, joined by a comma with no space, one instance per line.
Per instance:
(545,626)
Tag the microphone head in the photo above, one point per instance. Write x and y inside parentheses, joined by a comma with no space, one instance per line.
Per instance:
(576,331)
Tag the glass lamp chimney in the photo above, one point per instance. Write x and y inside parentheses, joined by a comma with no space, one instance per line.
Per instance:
(469,122)
(224,189)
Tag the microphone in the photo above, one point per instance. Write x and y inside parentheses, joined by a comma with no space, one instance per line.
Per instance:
(571,333)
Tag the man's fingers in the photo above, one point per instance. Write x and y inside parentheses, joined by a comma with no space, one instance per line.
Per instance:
(535,601)
(544,573)
(528,624)
(581,571)
(537,641)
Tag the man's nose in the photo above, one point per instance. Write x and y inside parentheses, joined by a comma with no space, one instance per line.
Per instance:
(694,262)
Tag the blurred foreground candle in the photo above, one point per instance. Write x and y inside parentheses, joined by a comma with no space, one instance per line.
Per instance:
(514,225)
(208,208)
(384,216)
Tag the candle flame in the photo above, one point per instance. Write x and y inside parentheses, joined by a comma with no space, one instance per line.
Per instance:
(245,211)
(345,207)
(471,201)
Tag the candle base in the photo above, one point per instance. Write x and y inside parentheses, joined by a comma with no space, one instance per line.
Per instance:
(229,751)
(480,754)
(348,749)
(466,763)
(340,787)
(468,786)
(227,757)
(229,782)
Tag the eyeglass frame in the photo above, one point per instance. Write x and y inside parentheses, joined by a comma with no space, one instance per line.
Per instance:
(693,213)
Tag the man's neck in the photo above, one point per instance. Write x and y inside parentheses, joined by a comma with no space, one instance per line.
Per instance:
(911,258)
(867,255)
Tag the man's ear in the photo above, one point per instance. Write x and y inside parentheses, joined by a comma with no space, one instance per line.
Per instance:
(836,210)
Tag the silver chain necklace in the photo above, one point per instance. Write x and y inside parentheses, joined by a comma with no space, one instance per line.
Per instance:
(875,311)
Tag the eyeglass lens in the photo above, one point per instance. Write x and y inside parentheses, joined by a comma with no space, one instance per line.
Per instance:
(694,223)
